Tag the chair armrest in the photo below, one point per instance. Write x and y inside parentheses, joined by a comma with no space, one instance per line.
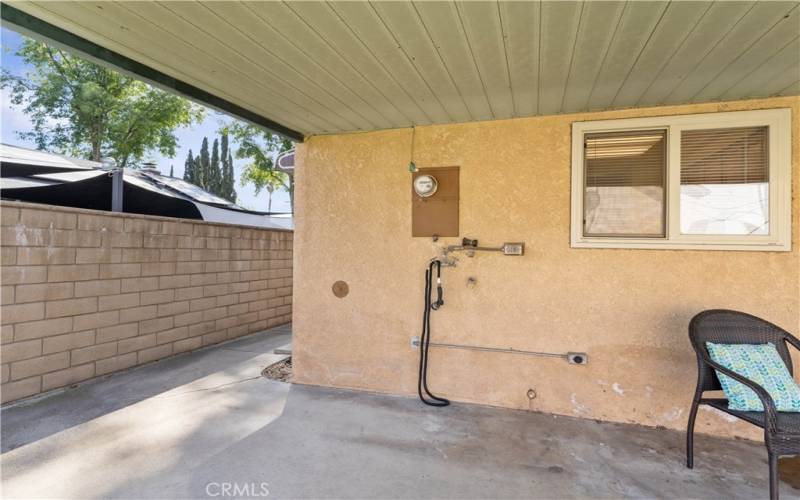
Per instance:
(793,340)
(770,417)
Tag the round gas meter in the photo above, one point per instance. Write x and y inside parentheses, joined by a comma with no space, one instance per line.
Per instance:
(425,185)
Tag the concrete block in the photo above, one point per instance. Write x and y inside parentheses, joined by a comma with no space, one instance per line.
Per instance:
(93,353)
(44,328)
(44,292)
(71,307)
(154,353)
(19,351)
(40,365)
(21,389)
(117,332)
(136,343)
(75,272)
(96,320)
(97,288)
(67,377)
(20,313)
(110,271)
(122,301)
(67,342)
(115,363)
(137,314)
(139,284)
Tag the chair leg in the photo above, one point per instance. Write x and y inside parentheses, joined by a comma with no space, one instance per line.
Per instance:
(773,476)
(690,435)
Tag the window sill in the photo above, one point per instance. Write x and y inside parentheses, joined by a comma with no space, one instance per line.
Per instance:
(650,244)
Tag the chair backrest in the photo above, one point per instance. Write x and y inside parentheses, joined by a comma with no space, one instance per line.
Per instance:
(722,326)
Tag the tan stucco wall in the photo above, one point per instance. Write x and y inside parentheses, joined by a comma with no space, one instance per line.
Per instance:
(628,309)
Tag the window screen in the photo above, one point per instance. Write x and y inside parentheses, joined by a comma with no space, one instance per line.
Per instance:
(725,181)
(624,179)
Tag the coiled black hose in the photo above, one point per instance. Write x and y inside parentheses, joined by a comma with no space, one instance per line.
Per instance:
(425,338)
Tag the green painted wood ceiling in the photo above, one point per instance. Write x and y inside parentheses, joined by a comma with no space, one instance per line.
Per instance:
(329,67)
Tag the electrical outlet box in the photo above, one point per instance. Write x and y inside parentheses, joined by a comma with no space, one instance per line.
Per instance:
(513,248)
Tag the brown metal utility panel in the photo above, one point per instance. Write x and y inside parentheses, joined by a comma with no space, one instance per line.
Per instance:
(436,215)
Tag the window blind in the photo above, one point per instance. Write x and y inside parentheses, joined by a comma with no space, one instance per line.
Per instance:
(624,183)
(724,156)
(625,158)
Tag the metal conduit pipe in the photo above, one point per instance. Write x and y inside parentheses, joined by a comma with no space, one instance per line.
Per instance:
(575,358)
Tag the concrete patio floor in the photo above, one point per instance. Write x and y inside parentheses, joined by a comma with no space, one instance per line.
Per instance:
(188,426)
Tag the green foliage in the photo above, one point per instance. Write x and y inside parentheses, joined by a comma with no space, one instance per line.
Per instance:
(85,110)
(261,147)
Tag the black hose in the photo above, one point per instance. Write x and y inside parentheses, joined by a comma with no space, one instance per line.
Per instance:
(425,338)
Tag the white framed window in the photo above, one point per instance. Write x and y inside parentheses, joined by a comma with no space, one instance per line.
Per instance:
(717,181)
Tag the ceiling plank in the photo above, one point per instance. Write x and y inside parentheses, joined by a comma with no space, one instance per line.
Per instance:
(560,23)
(294,65)
(666,39)
(591,49)
(483,35)
(635,29)
(127,25)
(362,19)
(748,30)
(710,29)
(783,32)
(302,37)
(414,40)
(188,21)
(124,25)
(339,34)
(521,22)
(34,22)
(772,76)
(781,84)
(445,29)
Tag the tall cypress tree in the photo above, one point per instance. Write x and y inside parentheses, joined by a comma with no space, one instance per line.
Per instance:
(227,191)
(189,169)
(231,180)
(172,170)
(203,169)
(215,174)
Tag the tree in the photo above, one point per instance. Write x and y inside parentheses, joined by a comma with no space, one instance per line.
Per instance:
(189,169)
(228,191)
(85,110)
(202,166)
(172,170)
(214,172)
(261,148)
(231,179)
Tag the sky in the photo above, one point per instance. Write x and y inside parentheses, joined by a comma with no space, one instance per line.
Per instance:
(13,120)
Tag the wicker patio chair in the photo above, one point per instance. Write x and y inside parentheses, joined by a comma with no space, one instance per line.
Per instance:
(781,429)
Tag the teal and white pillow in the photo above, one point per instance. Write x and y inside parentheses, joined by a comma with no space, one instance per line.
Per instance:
(762,364)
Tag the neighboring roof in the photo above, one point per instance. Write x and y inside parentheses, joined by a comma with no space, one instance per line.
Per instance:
(145,191)
(332,67)
(32,161)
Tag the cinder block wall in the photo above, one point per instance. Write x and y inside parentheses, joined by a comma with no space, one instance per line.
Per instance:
(87,293)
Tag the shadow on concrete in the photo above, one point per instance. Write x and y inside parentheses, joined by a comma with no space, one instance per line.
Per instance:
(33,420)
